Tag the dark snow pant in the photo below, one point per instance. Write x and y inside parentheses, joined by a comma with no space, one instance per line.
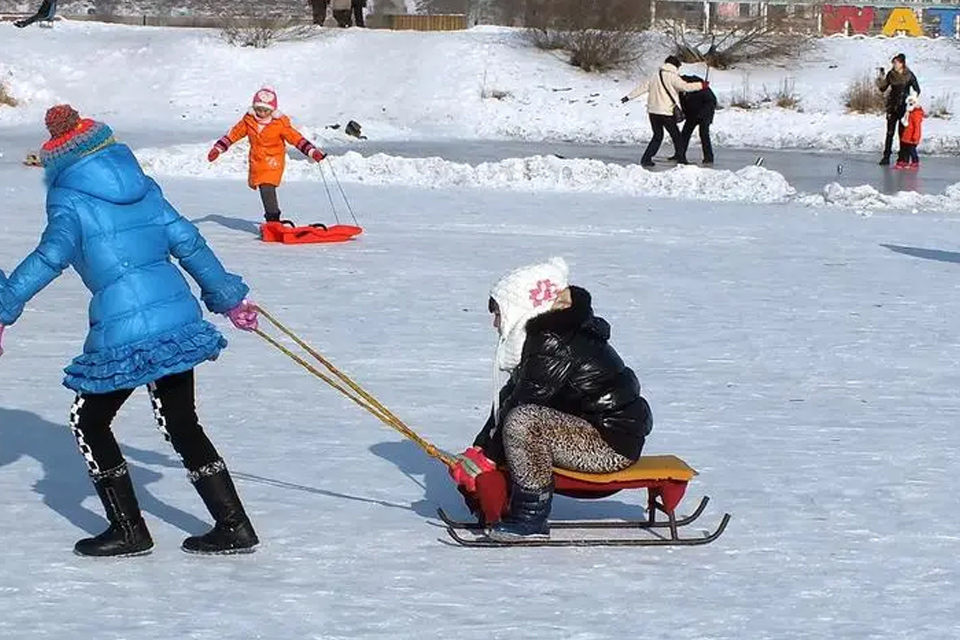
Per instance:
(658,123)
(271,206)
(536,439)
(705,144)
(174,408)
(894,125)
(357,7)
(908,153)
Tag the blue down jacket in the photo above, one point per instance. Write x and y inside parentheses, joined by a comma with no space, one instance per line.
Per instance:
(111,223)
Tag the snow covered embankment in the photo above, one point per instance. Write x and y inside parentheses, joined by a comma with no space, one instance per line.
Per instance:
(537,173)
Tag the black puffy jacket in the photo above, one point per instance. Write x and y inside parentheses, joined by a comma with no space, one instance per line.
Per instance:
(698,106)
(568,365)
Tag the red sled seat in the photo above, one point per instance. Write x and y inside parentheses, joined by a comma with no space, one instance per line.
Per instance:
(286,233)
(665,478)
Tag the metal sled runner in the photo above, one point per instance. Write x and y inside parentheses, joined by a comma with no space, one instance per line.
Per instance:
(665,477)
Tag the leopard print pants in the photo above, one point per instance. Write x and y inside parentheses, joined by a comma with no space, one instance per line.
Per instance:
(536,439)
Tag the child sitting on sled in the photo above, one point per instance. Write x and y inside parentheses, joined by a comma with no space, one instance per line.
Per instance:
(269,131)
(570,401)
(910,138)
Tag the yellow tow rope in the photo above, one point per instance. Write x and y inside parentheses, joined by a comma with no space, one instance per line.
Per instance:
(358,395)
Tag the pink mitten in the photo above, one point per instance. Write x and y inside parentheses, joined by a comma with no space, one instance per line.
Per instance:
(470,464)
(244,316)
(1,339)
(317,155)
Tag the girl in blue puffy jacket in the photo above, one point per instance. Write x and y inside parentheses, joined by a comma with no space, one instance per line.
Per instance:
(111,223)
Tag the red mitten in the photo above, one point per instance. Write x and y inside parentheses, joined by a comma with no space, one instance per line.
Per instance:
(214,154)
(704,85)
(470,464)
(316,155)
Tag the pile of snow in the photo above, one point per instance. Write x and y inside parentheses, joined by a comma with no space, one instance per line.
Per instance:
(867,198)
(536,173)
(402,85)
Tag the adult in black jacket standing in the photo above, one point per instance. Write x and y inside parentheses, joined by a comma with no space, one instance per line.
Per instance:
(897,83)
(698,110)
(570,401)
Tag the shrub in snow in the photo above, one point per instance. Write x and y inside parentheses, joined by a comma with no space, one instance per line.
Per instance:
(784,97)
(263,32)
(862,95)
(597,36)
(5,98)
(753,41)
(941,106)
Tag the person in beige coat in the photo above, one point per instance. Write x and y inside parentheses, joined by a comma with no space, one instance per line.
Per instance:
(664,88)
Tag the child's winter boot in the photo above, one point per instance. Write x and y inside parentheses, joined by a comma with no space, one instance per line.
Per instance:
(233,532)
(127,534)
(529,512)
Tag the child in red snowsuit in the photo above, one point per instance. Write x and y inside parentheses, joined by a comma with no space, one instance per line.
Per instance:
(269,132)
(910,138)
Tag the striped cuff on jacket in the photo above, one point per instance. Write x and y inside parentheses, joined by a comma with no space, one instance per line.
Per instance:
(223,143)
(305,147)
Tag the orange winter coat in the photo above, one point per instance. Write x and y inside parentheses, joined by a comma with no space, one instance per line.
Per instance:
(911,133)
(268,146)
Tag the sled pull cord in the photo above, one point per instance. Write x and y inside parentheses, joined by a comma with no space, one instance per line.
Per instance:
(343,195)
(359,395)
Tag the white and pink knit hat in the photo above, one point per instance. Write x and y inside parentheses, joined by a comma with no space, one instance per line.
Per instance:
(523,294)
(266,97)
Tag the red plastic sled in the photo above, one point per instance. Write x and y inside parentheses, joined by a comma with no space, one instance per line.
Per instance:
(286,233)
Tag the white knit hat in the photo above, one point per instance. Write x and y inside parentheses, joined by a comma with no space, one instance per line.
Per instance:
(523,294)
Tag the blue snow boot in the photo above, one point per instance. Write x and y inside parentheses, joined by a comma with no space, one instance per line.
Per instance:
(529,513)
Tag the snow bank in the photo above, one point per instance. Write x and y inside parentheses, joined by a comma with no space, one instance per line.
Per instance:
(549,174)
(867,198)
(536,173)
(402,85)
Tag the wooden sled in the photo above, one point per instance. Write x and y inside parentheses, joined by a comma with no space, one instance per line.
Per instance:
(665,477)
(287,233)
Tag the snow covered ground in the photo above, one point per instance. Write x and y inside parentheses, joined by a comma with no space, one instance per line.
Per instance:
(801,356)
(804,360)
(405,85)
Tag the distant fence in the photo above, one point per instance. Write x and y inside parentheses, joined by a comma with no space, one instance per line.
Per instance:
(436,22)
(447,22)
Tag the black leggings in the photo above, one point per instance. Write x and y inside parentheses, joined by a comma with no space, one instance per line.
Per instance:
(172,398)
(271,207)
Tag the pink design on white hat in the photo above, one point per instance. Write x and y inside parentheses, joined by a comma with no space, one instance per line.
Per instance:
(266,97)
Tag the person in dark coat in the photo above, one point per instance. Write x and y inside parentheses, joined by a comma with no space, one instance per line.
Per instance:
(570,401)
(698,109)
(897,84)
(47,10)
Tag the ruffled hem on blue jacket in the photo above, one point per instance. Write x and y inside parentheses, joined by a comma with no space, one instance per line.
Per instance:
(141,363)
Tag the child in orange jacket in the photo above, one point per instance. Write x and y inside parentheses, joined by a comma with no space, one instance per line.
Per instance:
(269,131)
(910,138)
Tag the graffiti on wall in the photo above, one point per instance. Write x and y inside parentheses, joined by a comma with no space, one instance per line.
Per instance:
(860,20)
